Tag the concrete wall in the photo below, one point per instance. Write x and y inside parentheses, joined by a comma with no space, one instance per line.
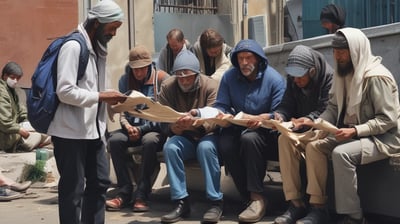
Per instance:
(385,42)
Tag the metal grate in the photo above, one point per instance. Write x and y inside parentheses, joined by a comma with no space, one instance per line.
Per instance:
(186,6)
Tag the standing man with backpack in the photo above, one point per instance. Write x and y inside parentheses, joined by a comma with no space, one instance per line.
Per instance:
(79,123)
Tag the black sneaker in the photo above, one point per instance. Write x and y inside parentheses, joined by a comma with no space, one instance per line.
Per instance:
(316,216)
(213,215)
(291,215)
(181,211)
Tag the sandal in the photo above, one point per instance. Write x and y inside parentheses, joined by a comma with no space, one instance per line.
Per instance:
(114,204)
(140,206)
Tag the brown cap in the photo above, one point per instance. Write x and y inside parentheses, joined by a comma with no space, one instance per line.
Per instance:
(139,57)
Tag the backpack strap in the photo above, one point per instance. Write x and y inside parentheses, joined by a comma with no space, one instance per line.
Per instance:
(84,53)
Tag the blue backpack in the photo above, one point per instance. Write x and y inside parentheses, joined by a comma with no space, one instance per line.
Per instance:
(42,100)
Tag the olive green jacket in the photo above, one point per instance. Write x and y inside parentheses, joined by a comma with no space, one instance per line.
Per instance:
(11,114)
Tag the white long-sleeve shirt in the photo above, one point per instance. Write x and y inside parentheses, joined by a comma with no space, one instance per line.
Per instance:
(78,116)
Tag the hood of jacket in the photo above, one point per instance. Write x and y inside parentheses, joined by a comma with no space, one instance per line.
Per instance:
(248,45)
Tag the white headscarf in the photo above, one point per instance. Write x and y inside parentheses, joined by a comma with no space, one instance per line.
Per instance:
(365,65)
(106,11)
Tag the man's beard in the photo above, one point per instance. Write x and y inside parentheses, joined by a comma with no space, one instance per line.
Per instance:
(344,69)
(247,70)
(101,37)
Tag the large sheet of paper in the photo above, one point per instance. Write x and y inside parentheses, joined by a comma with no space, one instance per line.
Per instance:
(144,107)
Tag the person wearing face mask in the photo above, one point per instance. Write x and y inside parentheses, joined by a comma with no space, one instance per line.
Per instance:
(254,88)
(186,91)
(16,134)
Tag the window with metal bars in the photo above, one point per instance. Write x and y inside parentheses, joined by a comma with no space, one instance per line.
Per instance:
(186,6)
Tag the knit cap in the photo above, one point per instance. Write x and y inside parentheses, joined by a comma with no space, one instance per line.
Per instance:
(300,60)
(339,41)
(139,57)
(186,60)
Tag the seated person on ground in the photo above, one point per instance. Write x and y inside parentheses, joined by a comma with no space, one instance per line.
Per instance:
(16,133)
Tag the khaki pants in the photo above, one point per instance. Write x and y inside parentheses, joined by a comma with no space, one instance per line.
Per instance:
(316,156)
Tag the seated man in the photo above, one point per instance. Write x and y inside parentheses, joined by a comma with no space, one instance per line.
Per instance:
(306,97)
(254,88)
(176,42)
(212,52)
(186,91)
(365,107)
(140,75)
(16,133)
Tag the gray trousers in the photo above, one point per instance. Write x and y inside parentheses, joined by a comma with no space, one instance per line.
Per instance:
(345,158)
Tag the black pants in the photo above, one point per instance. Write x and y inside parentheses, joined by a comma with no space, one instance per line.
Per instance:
(152,143)
(245,153)
(84,179)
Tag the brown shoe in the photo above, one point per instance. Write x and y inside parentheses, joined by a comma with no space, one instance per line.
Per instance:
(140,206)
(254,212)
(114,204)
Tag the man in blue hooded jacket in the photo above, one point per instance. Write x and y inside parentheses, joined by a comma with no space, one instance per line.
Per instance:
(254,88)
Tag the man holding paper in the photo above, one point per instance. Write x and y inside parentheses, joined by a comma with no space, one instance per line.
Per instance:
(254,88)
(186,91)
(306,97)
(365,107)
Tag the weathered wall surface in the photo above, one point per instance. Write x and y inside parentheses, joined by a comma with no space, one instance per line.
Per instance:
(28,28)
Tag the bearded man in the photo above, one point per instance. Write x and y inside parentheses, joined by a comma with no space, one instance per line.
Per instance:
(364,105)
(79,124)
(256,89)
(186,91)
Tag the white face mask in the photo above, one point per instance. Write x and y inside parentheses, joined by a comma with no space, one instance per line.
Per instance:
(12,83)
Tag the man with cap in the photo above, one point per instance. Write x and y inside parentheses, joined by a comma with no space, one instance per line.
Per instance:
(186,91)
(79,125)
(16,132)
(365,107)
(306,97)
(140,75)
(332,18)
(255,89)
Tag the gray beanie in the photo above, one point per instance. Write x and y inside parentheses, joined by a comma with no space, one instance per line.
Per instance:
(12,68)
(186,60)
(300,60)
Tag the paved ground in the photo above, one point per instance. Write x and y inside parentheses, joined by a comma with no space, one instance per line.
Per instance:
(44,209)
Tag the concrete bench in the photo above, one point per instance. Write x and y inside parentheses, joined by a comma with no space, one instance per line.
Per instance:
(378,188)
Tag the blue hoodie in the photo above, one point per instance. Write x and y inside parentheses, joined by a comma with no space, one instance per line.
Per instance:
(236,93)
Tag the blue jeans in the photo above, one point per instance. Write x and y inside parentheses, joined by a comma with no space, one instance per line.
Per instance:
(178,149)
